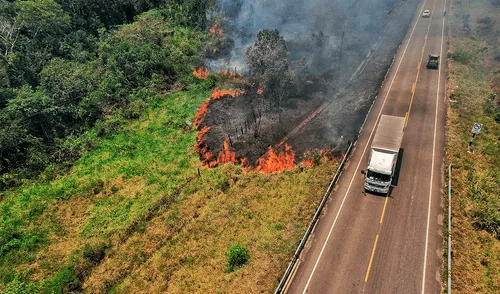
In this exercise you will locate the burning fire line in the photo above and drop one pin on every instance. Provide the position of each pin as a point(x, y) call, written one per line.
point(275, 162)
point(216, 94)
point(229, 74)
point(226, 155)
point(313, 158)
point(216, 30)
point(201, 72)
point(272, 161)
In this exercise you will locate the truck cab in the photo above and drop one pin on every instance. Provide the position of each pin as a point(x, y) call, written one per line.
point(378, 177)
point(383, 155)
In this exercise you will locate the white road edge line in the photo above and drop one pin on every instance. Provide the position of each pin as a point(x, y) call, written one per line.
point(366, 146)
point(433, 153)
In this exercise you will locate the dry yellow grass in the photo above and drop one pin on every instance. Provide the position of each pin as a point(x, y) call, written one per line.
point(265, 213)
point(476, 253)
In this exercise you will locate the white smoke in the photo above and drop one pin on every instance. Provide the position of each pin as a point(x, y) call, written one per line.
point(361, 21)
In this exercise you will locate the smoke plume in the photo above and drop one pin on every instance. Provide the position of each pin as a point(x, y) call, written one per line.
point(339, 52)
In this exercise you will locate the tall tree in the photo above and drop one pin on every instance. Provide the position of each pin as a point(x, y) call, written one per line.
point(268, 62)
point(268, 55)
point(31, 36)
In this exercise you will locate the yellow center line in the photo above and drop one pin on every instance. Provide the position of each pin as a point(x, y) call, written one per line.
point(383, 211)
point(371, 259)
point(420, 62)
point(407, 117)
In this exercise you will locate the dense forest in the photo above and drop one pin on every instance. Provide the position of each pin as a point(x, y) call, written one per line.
point(67, 73)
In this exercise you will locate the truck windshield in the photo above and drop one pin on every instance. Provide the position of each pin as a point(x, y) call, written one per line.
point(379, 177)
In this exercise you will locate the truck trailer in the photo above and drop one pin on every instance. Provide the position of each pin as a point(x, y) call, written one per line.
point(384, 154)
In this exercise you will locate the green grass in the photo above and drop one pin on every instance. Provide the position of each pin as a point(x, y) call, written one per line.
point(472, 85)
point(133, 215)
point(155, 154)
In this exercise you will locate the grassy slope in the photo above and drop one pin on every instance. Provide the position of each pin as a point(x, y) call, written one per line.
point(133, 216)
point(473, 76)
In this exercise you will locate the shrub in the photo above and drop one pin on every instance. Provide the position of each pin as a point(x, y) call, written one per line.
point(94, 253)
point(237, 257)
point(461, 56)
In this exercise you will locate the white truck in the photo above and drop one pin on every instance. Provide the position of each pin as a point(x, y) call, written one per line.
point(384, 154)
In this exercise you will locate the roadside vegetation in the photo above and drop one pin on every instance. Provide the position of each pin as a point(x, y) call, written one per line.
point(133, 215)
point(101, 189)
point(67, 66)
point(473, 88)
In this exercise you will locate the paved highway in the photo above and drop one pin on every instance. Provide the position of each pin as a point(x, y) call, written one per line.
point(376, 244)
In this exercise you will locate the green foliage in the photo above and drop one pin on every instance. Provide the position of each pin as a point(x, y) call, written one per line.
point(462, 56)
point(485, 211)
point(70, 89)
point(237, 256)
point(14, 239)
point(268, 55)
point(156, 151)
point(17, 286)
point(473, 80)
point(154, 56)
point(190, 13)
point(94, 253)
point(33, 30)
point(91, 15)
point(70, 83)
point(65, 281)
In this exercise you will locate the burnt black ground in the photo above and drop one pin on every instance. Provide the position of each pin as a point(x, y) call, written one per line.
point(346, 94)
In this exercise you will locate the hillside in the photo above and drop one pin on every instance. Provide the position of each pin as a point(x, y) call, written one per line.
point(106, 184)
point(134, 216)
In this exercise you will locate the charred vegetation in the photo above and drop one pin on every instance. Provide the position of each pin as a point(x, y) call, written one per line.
point(308, 82)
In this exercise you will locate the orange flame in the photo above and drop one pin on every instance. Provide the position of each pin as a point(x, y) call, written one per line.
point(201, 147)
point(260, 91)
point(229, 74)
point(200, 114)
point(199, 138)
point(216, 30)
point(216, 94)
point(245, 164)
point(272, 162)
point(308, 162)
point(201, 72)
point(226, 155)
point(315, 157)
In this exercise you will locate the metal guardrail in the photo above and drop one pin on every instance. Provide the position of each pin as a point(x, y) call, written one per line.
point(449, 229)
point(285, 279)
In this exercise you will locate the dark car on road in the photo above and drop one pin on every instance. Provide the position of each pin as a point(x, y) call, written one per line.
point(433, 61)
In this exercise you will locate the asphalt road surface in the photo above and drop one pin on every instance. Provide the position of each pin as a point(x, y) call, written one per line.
point(376, 244)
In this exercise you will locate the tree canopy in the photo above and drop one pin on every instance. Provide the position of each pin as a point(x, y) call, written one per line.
point(67, 64)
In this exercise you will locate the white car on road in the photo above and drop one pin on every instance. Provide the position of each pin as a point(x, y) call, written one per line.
point(426, 13)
